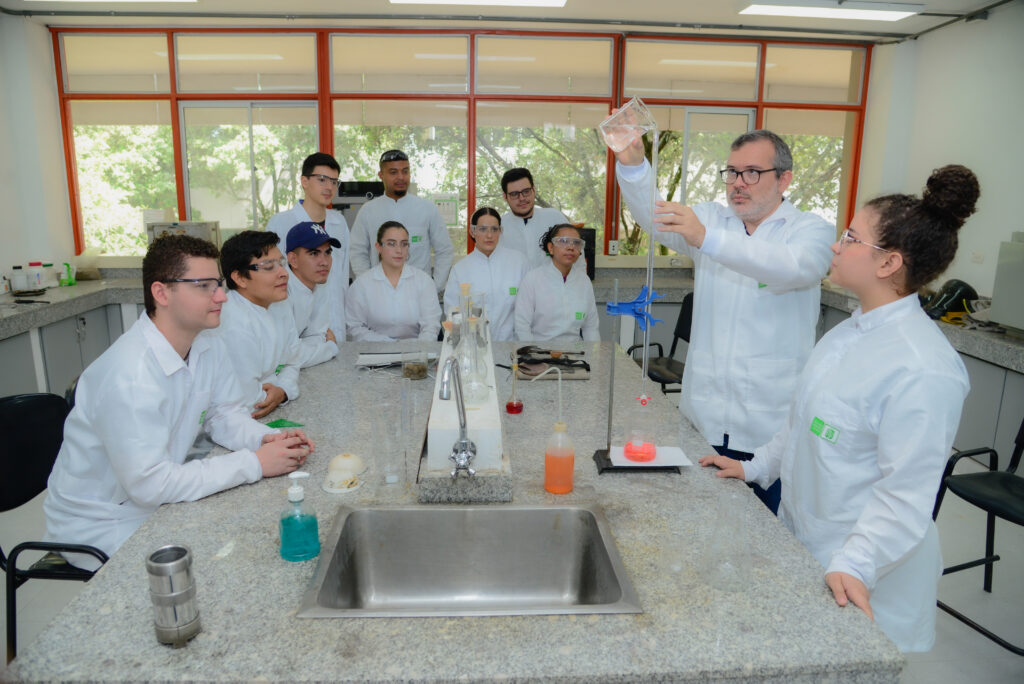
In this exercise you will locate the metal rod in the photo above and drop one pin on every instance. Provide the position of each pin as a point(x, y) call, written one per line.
point(611, 372)
point(650, 265)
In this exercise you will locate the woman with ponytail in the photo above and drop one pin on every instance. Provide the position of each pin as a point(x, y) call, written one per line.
point(874, 415)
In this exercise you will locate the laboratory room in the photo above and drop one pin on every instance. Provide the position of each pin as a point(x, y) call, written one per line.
point(493, 340)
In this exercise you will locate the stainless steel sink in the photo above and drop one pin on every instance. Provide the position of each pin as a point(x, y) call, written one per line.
point(420, 561)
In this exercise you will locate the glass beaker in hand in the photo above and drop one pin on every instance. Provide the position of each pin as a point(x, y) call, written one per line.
point(630, 123)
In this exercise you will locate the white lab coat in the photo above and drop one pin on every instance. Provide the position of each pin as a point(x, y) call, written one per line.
point(426, 230)
point(548, 308)
point(337, 228)
point(311, 311)
point(861, 456)
point(138, 409)
point(755, 311)
point(379, 312)
point(498, 277)
point(523, 235)
point(264, 346)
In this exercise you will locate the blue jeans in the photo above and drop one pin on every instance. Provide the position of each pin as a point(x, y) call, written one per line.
point(769, 497)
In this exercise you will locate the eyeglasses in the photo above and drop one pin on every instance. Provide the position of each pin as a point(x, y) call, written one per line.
point(846, 239)
point(565, 241)
point(208, 286)
point(267, 265)
point(484, 230)
point(750, 176)
point(393, 155)
point(391, 244)
point(516, 194)
point(325, 179)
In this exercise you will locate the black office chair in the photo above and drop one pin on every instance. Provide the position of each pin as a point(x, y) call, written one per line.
point(998, 493)
point(32, 426)
point(666, 370)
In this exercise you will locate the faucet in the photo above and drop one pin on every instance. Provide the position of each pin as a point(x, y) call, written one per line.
point(463, 450)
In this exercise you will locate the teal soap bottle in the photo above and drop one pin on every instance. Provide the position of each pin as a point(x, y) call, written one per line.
point(300, 534)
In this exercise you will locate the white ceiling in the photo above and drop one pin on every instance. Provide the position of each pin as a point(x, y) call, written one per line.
point(716, 17)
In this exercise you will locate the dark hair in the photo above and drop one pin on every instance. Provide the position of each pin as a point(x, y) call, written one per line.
point(924, 231)
point(167, 259)
point(552, 233)
point(512, 175)
point(238, 250)
point(319, 159)
point(783, 160)
point(384, 228)
point(484, 211)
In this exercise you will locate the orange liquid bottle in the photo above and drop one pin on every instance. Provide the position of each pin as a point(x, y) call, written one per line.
point(559, 457)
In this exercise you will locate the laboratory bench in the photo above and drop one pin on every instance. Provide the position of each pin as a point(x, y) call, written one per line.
point(783, 627)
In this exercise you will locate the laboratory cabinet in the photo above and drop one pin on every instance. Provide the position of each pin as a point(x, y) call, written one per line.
point(19, 375)
point(71, 344)
point(992, 410)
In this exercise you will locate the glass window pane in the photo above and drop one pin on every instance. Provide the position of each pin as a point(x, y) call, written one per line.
point(565, 66)
point(558, 142)
point(125, 163)
point(399, 64)
point(116, 64)
point(222, 179)
point(246, 64)
point(692, 71)
point(435, 143)
point(822, 157)
point(813, 74)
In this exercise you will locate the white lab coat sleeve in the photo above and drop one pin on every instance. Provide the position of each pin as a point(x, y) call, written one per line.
point(915, 435)
point(444, 251)
point(228, 420)
point(635, 184)
point(430, 314)
point(246, 361)
point(800, 261)
point(766, 465)
point(288, 378)
point(591, 323)
point(314, 347)
point(362, 240)
point(357, 314)
point(526, 302)
point(136, 433)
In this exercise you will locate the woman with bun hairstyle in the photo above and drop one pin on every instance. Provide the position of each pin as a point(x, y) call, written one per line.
point(874, 414)
point(555, 300)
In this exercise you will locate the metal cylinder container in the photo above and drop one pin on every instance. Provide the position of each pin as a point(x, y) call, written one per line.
point(173, 592)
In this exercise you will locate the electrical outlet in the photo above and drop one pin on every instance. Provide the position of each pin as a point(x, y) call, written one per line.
point(675, 262)
point(613, 247)
point(977, 258)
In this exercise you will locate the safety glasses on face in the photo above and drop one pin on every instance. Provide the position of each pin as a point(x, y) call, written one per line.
point(565, 241)
point(750, 176)
point(325, 179)
point(392, 244)
point(208, 286)
point(516, 194)
point(484, 230)
point(268, 265)
point(393, 155)
point(846, 239)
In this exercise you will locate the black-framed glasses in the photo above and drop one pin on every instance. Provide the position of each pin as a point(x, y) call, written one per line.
point(208, 286)
point(267, 265)
point(845, 238)
point(480, 228)
point(393, 155)
point(750, 176)
point(516, 194)
point(325, 179)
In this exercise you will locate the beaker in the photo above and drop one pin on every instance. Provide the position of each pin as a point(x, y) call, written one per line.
point(630, 123)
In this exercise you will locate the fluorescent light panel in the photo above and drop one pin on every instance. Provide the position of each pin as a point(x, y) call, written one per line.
point(61, 2)
point(502, 3)
point(834, 9)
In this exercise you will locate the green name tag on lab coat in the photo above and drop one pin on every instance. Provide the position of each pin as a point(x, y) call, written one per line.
point(280, 367)
point(579, 315)
point(513, 290)
point(760, 285)
point(415, 238)
point(824, 430)
point(202, 417)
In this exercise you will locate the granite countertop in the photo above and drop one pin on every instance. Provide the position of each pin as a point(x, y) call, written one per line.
point(785, 627)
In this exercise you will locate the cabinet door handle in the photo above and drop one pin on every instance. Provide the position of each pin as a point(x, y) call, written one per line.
point(80, 328)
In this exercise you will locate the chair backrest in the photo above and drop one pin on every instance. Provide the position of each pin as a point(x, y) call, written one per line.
point(683, 323)
point(32, 426)
point(1018, 447)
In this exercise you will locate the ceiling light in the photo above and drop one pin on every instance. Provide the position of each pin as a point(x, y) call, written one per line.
point(508, 3)
point(835, 9)
point(106, 1)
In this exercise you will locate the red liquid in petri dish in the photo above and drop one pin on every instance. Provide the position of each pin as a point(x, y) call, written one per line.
point(639, 452)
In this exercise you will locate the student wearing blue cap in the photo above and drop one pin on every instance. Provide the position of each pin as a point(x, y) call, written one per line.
point(310, 258)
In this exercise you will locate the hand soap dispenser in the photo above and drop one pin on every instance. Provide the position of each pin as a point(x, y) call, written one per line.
point(300, 534)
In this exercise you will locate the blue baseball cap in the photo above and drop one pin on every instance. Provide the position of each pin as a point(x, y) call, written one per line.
point(309, 235)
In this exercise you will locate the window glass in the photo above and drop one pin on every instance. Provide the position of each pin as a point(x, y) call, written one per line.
point(125, 164)
point(558, 142)
point(813, 74)
point(822, 157)
point(569, 66)
point(691, 71)
point(435, 143)
point(244, 162)
point(246, 64)
point(116, 63)
point(399, 64)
